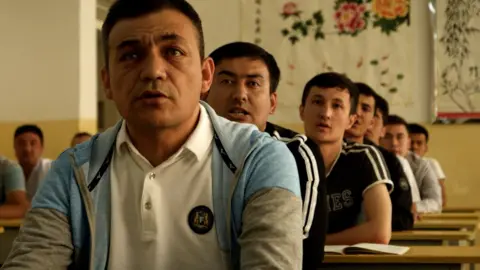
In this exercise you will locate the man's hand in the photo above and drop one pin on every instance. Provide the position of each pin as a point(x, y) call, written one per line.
point(416, 215)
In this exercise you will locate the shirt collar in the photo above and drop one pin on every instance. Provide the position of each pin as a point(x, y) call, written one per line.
point(198, 143)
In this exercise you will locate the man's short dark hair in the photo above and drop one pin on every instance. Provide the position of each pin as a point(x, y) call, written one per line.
point(382, 105)
point(366, 90)
point(29, 129)
point(127, 9)
point(81, 134)
point(418, 129)
point(394, 119)
point(249, 50)
point(332, 80)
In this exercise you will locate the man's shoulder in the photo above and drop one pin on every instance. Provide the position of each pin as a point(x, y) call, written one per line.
point(354, 149)
point(6, 163)
point(279, 132)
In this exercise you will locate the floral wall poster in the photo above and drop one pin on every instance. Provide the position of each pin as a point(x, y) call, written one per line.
point(368, 40)
point(457, 56)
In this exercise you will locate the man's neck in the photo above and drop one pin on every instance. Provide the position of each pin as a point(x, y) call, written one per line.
point(159, 144)
point(357, 139)
point(330, 152)
point(27, 170)
point(375, 140)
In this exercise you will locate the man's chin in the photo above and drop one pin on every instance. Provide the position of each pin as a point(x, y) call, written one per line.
point(239, 119)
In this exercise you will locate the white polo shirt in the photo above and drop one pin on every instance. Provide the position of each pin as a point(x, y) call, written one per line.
point(36, 176)
point(436, 167)
point(152, 217)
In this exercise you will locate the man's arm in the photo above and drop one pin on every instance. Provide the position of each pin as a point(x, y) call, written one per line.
point(401, 197)
point(45, 240)
point(15, 206)
point(441, 179)
point(16, 203)
point(377, 205)
point(311, 171)
point(430, 190)
point(377, 228)
point(441, 182)
point(271, 236)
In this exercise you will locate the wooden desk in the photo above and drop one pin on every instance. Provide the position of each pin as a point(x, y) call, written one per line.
point(425, 258)
point(432, 238)
point(11, 222)
point(446, 224)
point(466, 209)
point(452, 215)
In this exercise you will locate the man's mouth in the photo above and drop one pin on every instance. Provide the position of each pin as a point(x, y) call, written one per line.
point(238, 112)
point(323, 125)
point(151, 95)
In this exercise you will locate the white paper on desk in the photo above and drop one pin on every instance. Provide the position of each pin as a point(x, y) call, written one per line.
point(366, 248)
point(375, 249)
point(335, 249)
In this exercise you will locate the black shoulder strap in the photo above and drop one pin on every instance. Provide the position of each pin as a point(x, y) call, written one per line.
point(108, 160)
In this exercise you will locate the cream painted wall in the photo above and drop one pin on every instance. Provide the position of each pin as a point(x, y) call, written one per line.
point(48, 60)
point(47, 70)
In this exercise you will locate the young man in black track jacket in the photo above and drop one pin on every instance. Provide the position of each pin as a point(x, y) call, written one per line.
point(401, 197)
point(244, 90)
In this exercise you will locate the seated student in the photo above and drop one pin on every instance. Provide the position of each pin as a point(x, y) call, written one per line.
point(244, 90)
point(377, 131)
point(356, 173)
point(401, 197)
point(397, 140)
point(419, 145)
point(28, 144)
point(79, 138)
point(13, 198)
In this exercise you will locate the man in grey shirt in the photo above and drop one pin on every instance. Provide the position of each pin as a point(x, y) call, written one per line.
point(397, 140)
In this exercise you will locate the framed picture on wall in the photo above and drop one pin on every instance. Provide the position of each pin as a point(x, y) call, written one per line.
point(457, 59)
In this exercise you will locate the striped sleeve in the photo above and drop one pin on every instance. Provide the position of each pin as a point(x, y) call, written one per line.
point(309, 178)
point(374, 168)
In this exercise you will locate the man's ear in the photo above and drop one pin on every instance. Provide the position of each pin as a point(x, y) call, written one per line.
point(106, 83)
point(273, 102)
point(204, 96)
point(208, 69)
point(301, 110)
point(352, 119)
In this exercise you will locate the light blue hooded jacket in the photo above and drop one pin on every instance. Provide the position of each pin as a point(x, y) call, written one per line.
point(64, 208)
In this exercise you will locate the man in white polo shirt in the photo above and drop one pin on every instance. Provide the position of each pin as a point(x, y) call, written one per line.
point(419, 144)
point(172, 185)
point(397, 140)
point(29, 144)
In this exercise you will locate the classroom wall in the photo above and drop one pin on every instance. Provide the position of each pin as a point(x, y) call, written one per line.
point(48, 70)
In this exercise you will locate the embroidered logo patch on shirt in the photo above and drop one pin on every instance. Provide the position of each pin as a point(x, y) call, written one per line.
point(200, 219)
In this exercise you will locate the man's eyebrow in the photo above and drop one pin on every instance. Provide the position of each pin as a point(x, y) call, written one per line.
point(159, 38)
point(227, 72)
point(128, 43)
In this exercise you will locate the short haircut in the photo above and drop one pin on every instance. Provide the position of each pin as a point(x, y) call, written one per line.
point(127, 9)
point(29, 129)
point(366, 90)
point(394, 119)
point(81, 134)
point(418, 129)
point(333, 80)
point(249, 50)
point(382, 105)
